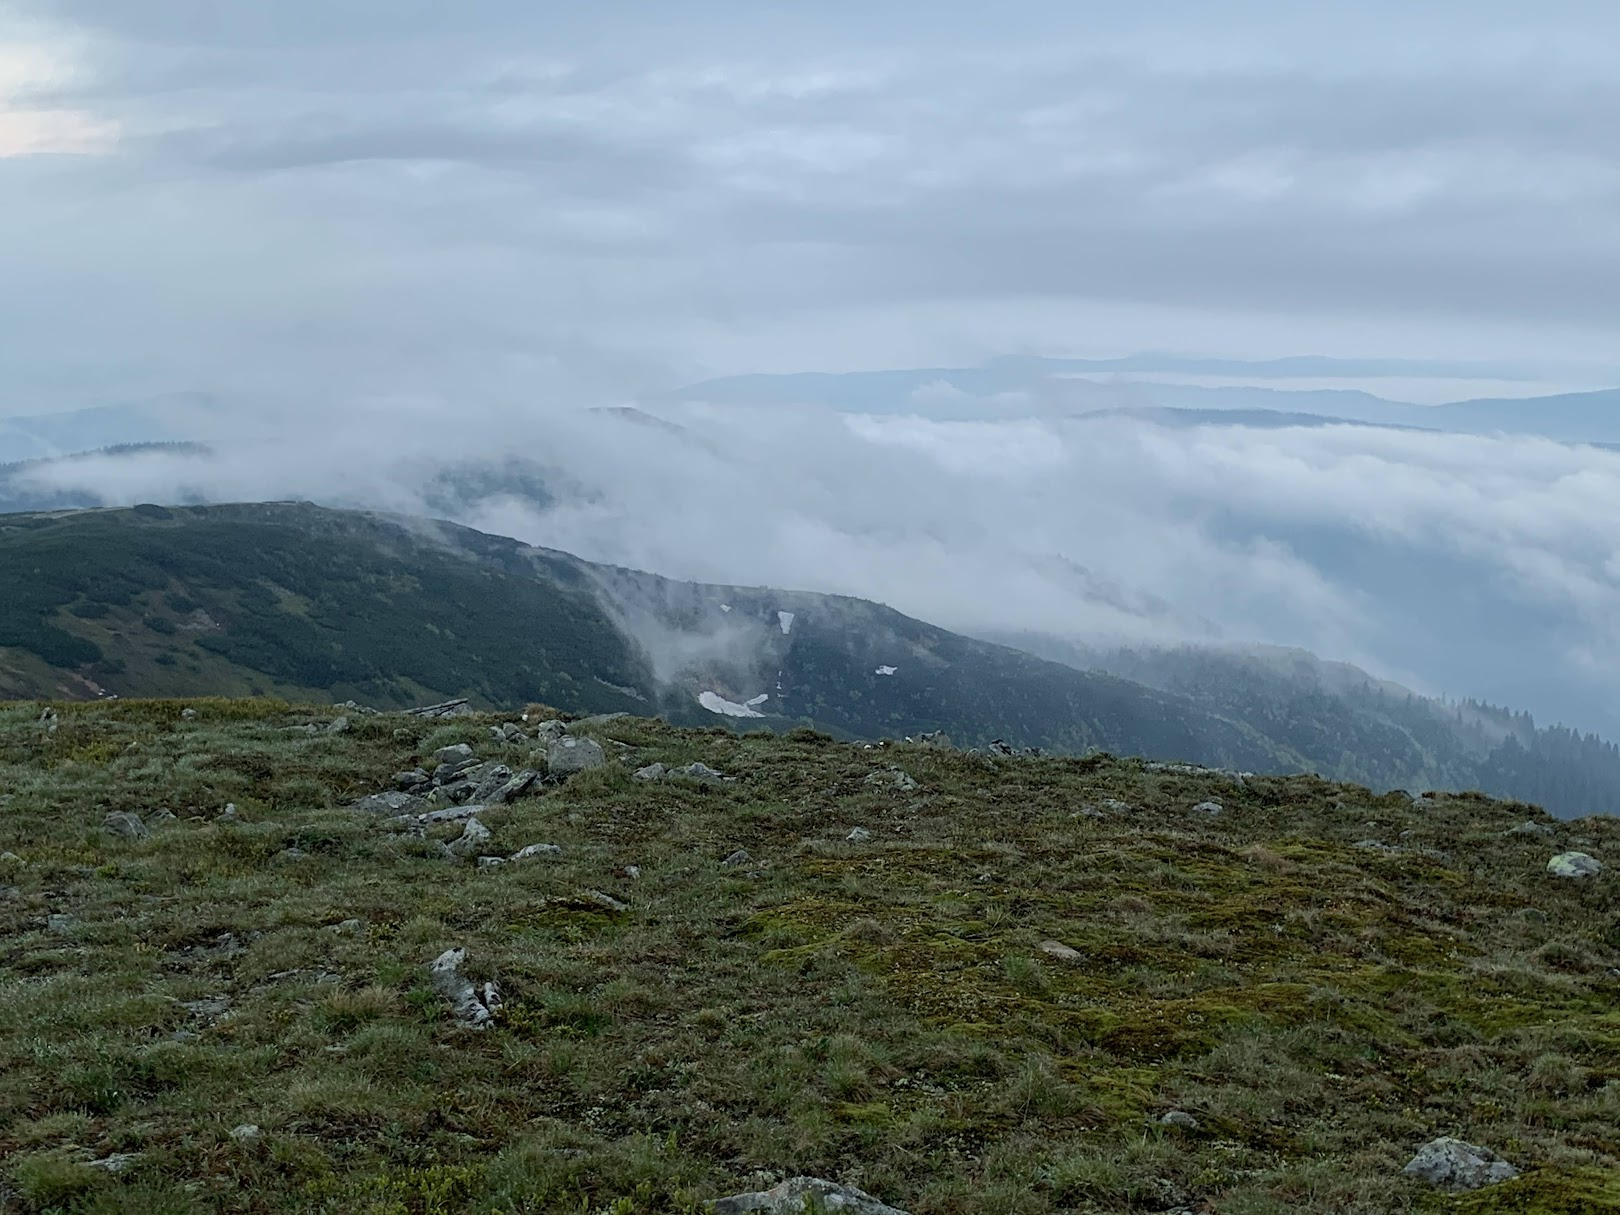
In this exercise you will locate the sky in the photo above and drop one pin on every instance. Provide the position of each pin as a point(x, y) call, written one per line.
point(511, 202)
point(385, 236)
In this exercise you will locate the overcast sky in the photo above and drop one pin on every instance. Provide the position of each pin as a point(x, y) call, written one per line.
point(501, 200)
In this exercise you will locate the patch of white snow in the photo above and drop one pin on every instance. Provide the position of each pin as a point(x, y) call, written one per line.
point(715, 703)
point(758, 700)
point(725, 607)
point(887, 670)
point(787, 622)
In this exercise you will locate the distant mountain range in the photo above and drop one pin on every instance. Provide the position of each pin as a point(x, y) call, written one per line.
point(296, 600)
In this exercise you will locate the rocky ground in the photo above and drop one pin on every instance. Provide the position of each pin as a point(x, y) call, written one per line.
point(260, 958)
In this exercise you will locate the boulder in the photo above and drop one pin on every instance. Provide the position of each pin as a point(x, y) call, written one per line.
point(606, 901)
point(1062, 952)
point(512, 732)
point(737, 859)
point(934, 738)
point(338, 725)
point(491, 862)
point(1181, 1119)
point(549, 731)
point(470, 1007)
point(407, 781)
point(800, 1194)
point(1530, 827)
point(858, 835)
point(536, 852)
point(1209, 808)
point(448, 708)
point(123, 825)
point(1451, 1164)
point(487, 779)
point(1574, 865)
point(892, 778)
point(567, 755)
point(244, 1133)
point(702, 772)
point(391, 802)
point(652, 772)
point(472, 840)
point(456, 753)
point(516, 787)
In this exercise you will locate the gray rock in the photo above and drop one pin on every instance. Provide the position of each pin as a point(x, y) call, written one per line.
point(1179, 1118)
point(472, 840)
point(188, 714)
point(1374, 846)
point(1451, 1164)
point(892, 778)
point(738, 858)
point(470, 1007)
point(391, 802)
point(1088, 812)
point(125, 826)
point(118, 1162)
point(1060, 951)
point(491, 862)
point(1211, 808)
point(858, 835)
point(347, 927)
point(11, 858)
point(1114, 805)
point(229, 814)
point(1574, 865)
point(338, 725)
point(702, 772)
point(1530, 827)
point(606, 900)
point(632, 872)
point(536, 852)
point(413, 779)
point(290, 856)
point(451, 814)
point(600, 719)
point(244, 1133)
point(549, 731)
point(456, 753)
point(512, 732)
point(800, 1194)
point(448, 708)
point(567, 755)
point(934, 738)
point(516, 787)
point(60, 923)
point(489, 778)
point(651, 772)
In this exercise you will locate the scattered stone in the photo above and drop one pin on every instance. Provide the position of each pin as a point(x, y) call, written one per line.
point(737, 858)
point(290, 856)
point(858, 835)
point(1060, 951)
point(567, 755)
point(489, 778)
point(1211, 808)
point(632, 872)
point(338, 725)
point(549, 731)
point(456, 753)
point(606, 900)
point(118, 1162)
point(1179, 1118)
point(1115, 806)
point(519, 784)
point(347, 927)
point(1088, 812)
point(229, 814)
point(125, 826)
point(60, 923)
point(498, 734)
point(11, 858)
point(473, 837)
point(1374, 846)
point(188, 714)
point(934, 738)
point(448, 708)
point(1530, 827)
point(702, 772)
point(893, 778)
point(800, 1194)
point(532, 851)
point(512, 732)
point(471, 1008)
point(1574, 865)
point(1451, 1164)
point(997, 747)
point(413, 779)
point(245, 1133)
point(210, 1009)
point(391, 802)
point(491, 862)
point(652, 772)
point(451, 814)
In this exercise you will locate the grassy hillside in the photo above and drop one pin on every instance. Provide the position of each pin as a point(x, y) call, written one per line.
point(293, 600)
point(883, 1011)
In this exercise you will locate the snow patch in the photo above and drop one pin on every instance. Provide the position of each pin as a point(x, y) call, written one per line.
point(758, 700)
point(786, 619)
point(715, 703)
point(725, 607)
point(887, 670)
